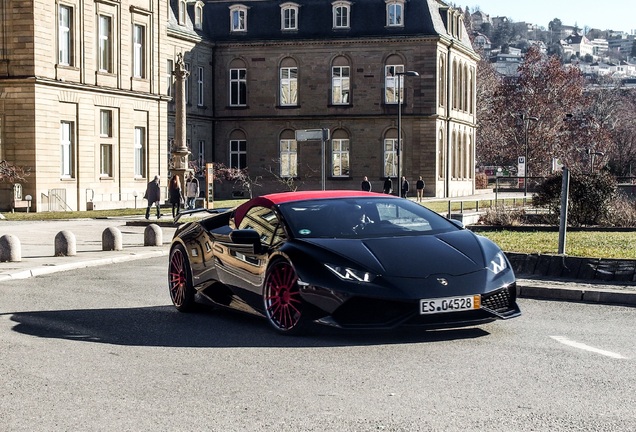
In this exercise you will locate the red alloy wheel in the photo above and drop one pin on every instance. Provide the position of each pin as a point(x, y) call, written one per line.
point(181, 291)
point(283, 304)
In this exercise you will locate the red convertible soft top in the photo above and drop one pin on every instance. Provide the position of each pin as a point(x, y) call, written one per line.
point(283, 197)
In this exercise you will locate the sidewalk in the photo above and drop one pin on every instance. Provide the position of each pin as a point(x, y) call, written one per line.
point(37, 241)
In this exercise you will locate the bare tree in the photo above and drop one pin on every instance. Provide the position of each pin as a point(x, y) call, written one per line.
point(11, 173)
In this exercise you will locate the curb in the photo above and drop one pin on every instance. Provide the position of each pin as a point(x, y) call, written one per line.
point(557, 290)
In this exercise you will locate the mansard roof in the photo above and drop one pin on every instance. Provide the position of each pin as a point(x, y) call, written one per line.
point(315, 20)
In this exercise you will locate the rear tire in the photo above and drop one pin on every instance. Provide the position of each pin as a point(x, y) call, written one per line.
point(283, 305)
point(180, 280)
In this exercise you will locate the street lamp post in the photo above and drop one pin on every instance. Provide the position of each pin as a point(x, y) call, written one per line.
point(526, 124)
point(399, 126)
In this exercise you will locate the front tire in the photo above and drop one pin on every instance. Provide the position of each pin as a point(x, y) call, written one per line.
point(180, 280)
point(284, 307)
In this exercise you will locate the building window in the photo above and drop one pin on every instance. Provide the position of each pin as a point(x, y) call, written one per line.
point(198, 16)
point(201, 155)
point(339, 157)
point(238, 18)
point(105, 44)
point(238, 87)
point(391, 81)
point(289, 16)
point(66, 149)
point(65, 35)
point(169, 77)
point(105, 123)
point(187, 84)
point(341, 14)
point(140, 152)
point(139, 51)
point(200, 86)
point(395, 13)
point(289, 86)
point(288, 158)
point(106, 160)
point(442, 81)
point(182, 12)
point(340, 85)
point(390, 157)
point(441, 155)
point(238, 154)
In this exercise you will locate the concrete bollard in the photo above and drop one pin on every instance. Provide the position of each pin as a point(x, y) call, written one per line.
point(153, 235)
point(111, 239)
point(10, 249)
point(65, 244)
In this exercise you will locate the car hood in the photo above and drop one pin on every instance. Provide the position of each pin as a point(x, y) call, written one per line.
point(455, 253)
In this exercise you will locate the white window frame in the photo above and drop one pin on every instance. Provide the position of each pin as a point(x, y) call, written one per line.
point(139, 152)
point(188, 84)
point(238, 18)
point(67, 149)
point(198, 16)
point(289, 16)
point(65, 35)
point(341, 14)
point(390, 157)
point(238, 87)
point(201, 154)
point(183, 11)
point(105, 123)
point(391, 83)
point(200, 87)
point(238, 152)
point(169, 77)
point(340, 85)
point(105, 46)
point(139, 51)
point(394, 13)
point(289, 86)
point(340, 157)
point(288, 158)
point(105, 160)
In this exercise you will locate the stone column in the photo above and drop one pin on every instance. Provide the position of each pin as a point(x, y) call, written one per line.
point(179, 148)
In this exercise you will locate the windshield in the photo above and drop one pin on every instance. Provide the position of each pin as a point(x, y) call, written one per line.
point(361, 218)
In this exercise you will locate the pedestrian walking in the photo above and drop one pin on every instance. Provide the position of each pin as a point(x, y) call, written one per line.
point(192, 190)
point(175, 195)
point(388, 186)
point(419, 186)
point(366, 184)
point(404, 187)
point(153, 195)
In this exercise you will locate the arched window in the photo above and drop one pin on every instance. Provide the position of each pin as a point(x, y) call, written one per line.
point(238, 83)
point(442, 81)
point(340, 81)
point(238, 18)
point(288, 82)
point(288, 154)
point(441, 155)
point(341, 14)
point(289, 16)
point(394, 13)
point(238, 150)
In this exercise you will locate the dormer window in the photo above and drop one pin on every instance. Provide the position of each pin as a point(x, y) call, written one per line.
point(182, 12)
point(395, 13)
point(341, 14)
point(289, 16)
point(238, 18)
point(198, 16)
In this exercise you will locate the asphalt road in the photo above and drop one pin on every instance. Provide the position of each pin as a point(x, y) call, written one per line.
point(102, 349)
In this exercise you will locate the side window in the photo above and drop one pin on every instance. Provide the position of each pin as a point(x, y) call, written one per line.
point(341, 14)
point(238, 18)
point(395, 14)
point(289, 16)
point(264, 221)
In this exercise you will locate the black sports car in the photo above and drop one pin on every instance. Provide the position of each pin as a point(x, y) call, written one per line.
point(348, 259)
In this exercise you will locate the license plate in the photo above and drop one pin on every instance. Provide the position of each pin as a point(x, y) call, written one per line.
point(449, 304)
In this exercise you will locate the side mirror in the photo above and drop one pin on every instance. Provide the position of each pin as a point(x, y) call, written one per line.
point(245, 236)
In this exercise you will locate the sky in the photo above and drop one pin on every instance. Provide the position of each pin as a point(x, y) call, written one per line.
point(608, 15)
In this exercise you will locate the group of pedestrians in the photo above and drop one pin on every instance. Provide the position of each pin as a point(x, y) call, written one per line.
point(387, 188)
point(176, 195)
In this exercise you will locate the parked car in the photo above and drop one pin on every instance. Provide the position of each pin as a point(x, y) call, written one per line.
point(348, 259)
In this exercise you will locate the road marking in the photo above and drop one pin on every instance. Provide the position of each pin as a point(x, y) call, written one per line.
point(582, 346)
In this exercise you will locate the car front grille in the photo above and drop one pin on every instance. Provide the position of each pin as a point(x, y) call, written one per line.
point(501, 301)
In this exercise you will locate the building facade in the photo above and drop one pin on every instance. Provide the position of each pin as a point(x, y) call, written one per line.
point(89, 110)
point(82, 100)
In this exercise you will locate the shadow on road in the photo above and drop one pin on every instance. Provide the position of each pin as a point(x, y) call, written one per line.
point(164, 326)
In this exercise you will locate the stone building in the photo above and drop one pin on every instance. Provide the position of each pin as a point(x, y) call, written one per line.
point(86, 97)
point(311, 64)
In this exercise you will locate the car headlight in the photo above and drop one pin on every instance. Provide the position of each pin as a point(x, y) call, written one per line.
point(498, 263)
point(350, 274)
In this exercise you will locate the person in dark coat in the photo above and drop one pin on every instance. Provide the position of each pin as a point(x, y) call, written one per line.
point(388, 186)
point(366, 184)
point(153, 195)
point(419, 186)
point(175, 196)
point(404, 187)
